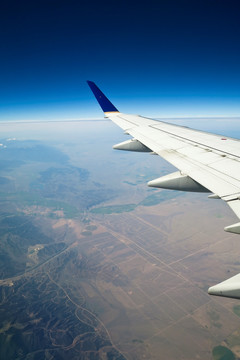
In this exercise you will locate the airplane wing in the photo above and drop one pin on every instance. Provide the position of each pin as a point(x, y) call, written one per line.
point(206, 162)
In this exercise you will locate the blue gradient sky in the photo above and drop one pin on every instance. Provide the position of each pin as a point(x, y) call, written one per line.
point(158, 58)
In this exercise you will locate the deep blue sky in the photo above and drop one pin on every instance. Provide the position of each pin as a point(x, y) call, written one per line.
point(158, 58)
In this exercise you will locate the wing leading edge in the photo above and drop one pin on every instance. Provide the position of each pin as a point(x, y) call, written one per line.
point(206, 162)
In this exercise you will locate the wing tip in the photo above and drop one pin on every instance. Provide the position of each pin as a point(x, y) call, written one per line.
point(103, 101)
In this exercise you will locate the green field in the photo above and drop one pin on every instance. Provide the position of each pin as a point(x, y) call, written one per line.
point(159, 197)
point(150, 200)
point(222, 353)
point(114, 209)
point(236, 310)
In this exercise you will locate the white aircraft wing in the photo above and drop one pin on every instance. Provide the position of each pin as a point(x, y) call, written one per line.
point(206, 162)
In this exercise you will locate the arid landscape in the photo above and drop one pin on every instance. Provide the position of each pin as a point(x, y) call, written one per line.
point(95, 265)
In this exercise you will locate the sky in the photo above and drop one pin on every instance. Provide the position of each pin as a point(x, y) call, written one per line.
point(155, 58)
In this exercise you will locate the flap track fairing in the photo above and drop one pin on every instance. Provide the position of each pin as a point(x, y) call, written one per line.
point(229, 288)
point(178, 181)
point(132, 145)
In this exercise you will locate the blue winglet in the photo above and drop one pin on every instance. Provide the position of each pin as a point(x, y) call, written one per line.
point(103, 101)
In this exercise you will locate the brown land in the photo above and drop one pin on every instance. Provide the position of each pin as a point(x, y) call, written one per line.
point(155, 268)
